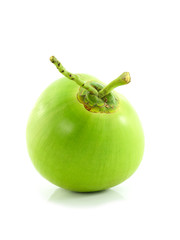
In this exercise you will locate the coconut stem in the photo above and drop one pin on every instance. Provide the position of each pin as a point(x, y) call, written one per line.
point(72, 76)
point(121, 80)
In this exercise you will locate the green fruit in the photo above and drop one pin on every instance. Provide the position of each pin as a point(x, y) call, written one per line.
point(84, 138)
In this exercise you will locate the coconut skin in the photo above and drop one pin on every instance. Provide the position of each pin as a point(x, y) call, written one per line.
point(80, 150)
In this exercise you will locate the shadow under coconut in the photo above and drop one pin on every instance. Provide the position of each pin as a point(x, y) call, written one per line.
point(91, 199)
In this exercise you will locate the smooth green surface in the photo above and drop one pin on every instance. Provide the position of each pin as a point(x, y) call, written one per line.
point(80, 150)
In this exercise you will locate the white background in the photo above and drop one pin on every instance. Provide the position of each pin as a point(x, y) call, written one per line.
point(104, 39)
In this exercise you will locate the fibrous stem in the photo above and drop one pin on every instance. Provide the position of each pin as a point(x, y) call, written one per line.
point(121, 80)
point(73, 77)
